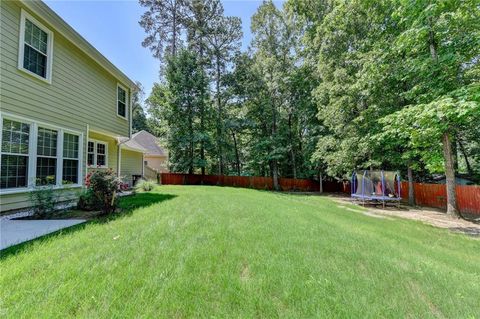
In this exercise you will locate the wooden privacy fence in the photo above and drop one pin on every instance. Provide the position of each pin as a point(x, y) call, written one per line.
point(435, 195)
point(256, 182)
point(430, 195)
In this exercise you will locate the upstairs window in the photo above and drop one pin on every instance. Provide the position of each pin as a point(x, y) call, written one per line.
point(35, 51)
point(121, 102)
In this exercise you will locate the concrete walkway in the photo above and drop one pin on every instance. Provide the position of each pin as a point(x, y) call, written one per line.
point(13, 232)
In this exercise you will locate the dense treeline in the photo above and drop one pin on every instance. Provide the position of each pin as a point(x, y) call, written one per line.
point(326, 87)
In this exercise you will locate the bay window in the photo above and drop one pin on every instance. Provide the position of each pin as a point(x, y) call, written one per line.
point(33, 154)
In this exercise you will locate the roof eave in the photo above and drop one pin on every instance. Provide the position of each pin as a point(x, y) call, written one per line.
point(155, 155)
point(62, 27)
point(133, 149)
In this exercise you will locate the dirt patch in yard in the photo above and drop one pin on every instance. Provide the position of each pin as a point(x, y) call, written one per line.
point(364, 212)
point(431, 216)
point(245, 273)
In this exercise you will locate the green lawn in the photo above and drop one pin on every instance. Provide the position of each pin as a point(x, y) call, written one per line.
point(187, 251)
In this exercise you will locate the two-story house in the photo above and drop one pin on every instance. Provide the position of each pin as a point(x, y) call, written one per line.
point(64, 108)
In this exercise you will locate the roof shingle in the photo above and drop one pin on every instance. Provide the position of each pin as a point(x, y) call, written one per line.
point(149, 142)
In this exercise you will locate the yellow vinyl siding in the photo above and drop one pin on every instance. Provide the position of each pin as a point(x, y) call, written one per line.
point(112, 152)
point(81, 91)
point(131, 164)
point(10, 202)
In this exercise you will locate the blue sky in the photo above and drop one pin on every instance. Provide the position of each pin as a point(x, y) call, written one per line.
point(112, 27)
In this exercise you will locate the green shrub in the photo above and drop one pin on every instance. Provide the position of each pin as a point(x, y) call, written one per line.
point(44, 200)
point(105, 185)
point(144, 186)
point(88, 201)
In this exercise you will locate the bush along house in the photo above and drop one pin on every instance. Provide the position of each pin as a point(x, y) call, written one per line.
point(65, 110)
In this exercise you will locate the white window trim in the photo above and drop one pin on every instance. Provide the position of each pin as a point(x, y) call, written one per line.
point(32, 154)
point(61, 158)
point(126, 102)
point(24, 16)
point(95, 142)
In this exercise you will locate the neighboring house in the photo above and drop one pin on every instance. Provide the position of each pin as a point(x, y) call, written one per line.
point(155, 157)
point(460, 179)
point(65, 109)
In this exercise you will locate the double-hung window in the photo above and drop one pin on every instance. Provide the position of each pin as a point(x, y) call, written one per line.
point(70, 158)
point(46, 156)
point(35, 48)
point(34, 154)
point(97, 154)
point(121, 102)
point(14, 154)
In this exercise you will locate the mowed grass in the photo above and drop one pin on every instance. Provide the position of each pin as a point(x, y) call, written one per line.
point(189, 251)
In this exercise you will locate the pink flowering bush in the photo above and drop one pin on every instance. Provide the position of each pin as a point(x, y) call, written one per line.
point(105, 185)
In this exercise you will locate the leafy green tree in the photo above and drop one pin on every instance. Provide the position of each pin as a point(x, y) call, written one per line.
point(223, 36)
point(272, 58)
point(199, 15)
point(327, 87)
point(164, 22)
point(176, 105)
point(441, 45)
point(434, 124)
point(139, 119)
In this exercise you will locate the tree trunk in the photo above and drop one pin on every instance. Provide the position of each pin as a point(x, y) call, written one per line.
point(447, 145)
point(202, 155)
point(320, 180)
point(275, 175)
point(219, 118)
point(191, 144)
point(411, 190)
point(450, 176)
point(202, 115)
point(174, 29)
point(237, 156)
point(274, 135)
point(453, 142)
point(464, 153)
point(292, 148)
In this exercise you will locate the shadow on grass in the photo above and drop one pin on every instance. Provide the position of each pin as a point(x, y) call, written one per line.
point(127, 205)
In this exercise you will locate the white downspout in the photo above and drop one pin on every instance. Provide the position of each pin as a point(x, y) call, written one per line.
point(119, 156)
point(130, 120)
point(119, 159)
point(86, 154)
